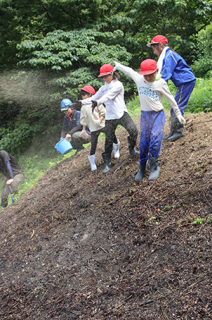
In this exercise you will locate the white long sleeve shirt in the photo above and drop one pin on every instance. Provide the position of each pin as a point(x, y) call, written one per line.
point(112, 95)
point(150, 93)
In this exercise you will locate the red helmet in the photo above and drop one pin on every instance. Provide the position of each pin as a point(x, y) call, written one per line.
point(158, 39)
point(105, 69)
point(148, 66)
point(88, 89)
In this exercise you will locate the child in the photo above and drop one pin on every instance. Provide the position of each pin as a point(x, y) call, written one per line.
point(151, 89)
point(96, 122)
point(112, 95)
point(172, 66)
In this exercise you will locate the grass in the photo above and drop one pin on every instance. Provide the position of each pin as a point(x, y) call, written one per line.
point(41, 156)
point(201, 97)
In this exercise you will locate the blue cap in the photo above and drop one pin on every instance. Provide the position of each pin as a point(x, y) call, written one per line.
point(65, 104)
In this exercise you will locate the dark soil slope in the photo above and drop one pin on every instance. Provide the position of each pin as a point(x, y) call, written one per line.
point(83, 245)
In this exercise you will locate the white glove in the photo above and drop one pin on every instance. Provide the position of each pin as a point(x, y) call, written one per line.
point(115, 68)
point(181, 119)
point(84, 134)
point(97, 122)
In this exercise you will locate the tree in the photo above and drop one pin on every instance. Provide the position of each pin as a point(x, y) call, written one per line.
point(82, 52)
point(203, 65)
point(25, 19)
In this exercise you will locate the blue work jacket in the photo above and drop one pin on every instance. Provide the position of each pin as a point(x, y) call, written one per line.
point(175, 68)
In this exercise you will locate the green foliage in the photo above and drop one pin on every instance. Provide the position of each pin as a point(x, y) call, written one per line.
point(138, 20)
point(209, 219)
point(17, 140)
point(198, 221)
point(165, 17)
point(22, 20)
point(61, 50)
point(82, 52)
point(201, 97)
point(28, 107)
point(203, 66)
point(133, 106)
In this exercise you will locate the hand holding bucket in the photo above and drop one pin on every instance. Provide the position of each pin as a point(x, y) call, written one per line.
point(63, 146)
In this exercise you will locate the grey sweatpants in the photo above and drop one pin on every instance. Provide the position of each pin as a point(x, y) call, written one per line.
point(5, 190)
point(77, 140)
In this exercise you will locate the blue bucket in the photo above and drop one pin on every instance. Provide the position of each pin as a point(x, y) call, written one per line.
point(63, 146)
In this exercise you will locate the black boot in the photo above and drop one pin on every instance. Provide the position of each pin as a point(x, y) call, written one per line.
point(178, 131)
point(77, 145)
point(139, 176)
point(131, 146)
point(154, 169)
point(172, 124)
point(79, 149)
point(107, 162)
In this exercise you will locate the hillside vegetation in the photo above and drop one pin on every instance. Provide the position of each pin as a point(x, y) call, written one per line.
point(83, 245)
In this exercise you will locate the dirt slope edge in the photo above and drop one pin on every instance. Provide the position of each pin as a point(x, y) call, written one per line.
point(82, 245)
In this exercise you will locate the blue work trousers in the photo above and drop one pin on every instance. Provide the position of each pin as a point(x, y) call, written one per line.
point(152, 128)
point(182, 96)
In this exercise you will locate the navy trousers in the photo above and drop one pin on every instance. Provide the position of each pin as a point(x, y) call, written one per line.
point(152, 129)
point(182, 96)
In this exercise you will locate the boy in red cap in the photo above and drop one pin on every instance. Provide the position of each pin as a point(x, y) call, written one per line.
point(96, 122)
point(172, 66)
point(151, 89)
point(112, 95)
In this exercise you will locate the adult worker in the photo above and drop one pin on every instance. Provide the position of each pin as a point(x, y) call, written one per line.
point(72, 128)
point(172, 66)
point(13, 173)
point(95, 120)
point(112, 95)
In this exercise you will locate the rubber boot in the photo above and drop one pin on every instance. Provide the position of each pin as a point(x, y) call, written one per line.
point(92, 162)
point(116, 150)
point(139, 176)
point(107, 162)
point(178, 131)
point(154, 169)
point(131, 146)
point(172, 124)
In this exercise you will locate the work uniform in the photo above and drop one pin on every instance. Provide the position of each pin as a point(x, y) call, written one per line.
point(152, 118)
point(75, 128)
point(176, 69)
point(10, 168)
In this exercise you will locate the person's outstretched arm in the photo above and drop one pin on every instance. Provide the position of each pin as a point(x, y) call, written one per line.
point(127, 70)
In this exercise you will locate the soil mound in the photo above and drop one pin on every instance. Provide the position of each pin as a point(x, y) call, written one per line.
point(83, 245)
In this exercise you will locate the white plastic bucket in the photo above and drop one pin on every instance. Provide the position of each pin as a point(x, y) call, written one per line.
point(63, 146)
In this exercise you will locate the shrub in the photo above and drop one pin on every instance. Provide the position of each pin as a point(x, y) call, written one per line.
point(17, 140)
point(201, 97)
